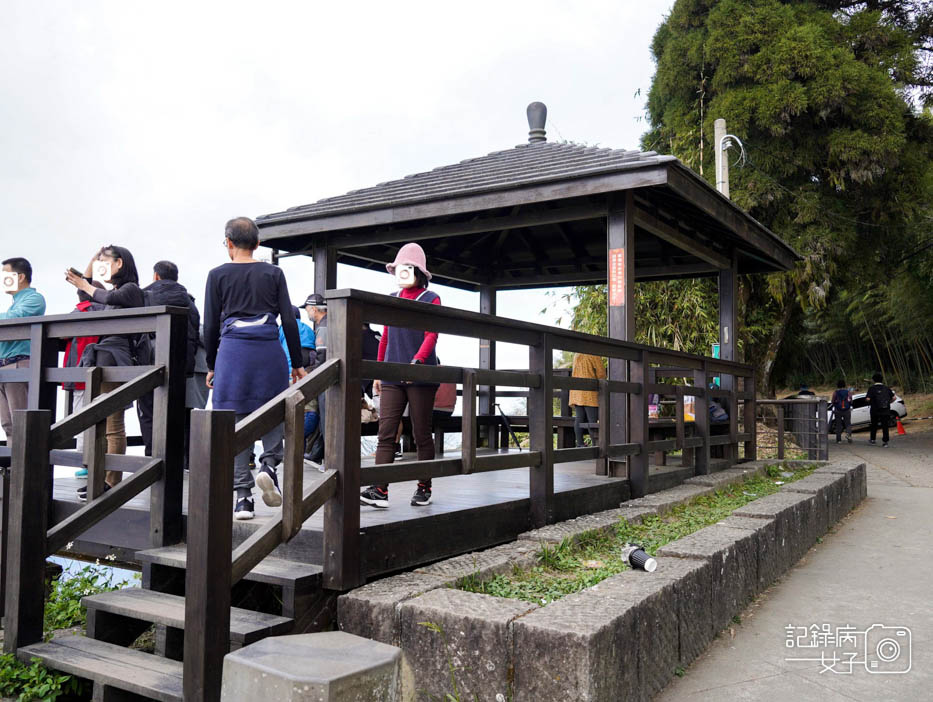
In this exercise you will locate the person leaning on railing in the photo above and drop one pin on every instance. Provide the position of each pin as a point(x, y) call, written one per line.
point(247, 367)
point(400, 345)
point(115, 265)
point(585, 403)
point(27, 302)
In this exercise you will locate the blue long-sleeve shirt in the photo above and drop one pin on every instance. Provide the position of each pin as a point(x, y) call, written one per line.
point(26, 303)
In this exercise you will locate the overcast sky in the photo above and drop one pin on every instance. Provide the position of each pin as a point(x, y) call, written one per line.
point(148, 125)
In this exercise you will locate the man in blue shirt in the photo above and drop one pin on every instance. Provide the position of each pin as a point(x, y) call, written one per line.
point(17, 280)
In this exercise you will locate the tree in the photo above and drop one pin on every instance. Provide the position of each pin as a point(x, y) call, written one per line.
point(826, 98)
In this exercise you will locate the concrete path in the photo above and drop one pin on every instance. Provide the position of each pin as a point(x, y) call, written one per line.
point(875, 567)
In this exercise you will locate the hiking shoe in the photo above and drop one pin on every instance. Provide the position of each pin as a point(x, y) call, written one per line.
point(268, 482)
point(81, 473)
point(884, 445)
point(838, 441)
point(871, 441)
point(398, 451)
point(849, 438)
point(422, 495)
point(244, 508)
point(310, 463)
point(82, 491)
point(375, 497)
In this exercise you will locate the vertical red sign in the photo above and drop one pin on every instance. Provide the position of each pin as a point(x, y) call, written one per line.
point(617, 277)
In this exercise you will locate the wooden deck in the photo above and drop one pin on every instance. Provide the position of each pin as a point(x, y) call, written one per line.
point(468, 512)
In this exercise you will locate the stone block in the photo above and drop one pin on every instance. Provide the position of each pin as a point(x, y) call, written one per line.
point(573, 529)
point(692, 580)
point(856, 480)
point(371, 611)
point(581, 647)
point(475, 638)
point(771, 564)
point(828, 490)
point(666, 500)
point(331, 666)
point(485, 564)
point(794, 521)
point(635, 515)
point(733, 557)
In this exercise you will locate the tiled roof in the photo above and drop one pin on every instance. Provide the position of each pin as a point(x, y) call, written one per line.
point(526, 164)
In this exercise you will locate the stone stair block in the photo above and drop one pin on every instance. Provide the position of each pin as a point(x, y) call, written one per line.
point(371, 611)
point(771, 565)
point(692, 579)
point(733, 557)
point(330, 666)
point(475, 638)
point(794, 522)
point(665, 501)
point(828, 491)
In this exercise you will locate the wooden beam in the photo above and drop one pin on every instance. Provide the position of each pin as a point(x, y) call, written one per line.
point(620, 245)
point(540, 430)
point(487, 361)
point(682, 241)
point(468, 425)
point(325, 267)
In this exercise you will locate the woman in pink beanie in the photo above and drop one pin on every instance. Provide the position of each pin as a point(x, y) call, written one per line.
point(400, 345)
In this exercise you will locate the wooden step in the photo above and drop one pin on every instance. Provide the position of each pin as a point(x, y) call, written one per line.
point(246, 626)
point(272, 570)
point(110, 666)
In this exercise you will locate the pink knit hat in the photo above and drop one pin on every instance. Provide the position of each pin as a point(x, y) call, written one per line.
point(413, 255)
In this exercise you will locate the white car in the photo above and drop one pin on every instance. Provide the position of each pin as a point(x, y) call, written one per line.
point(860, 412)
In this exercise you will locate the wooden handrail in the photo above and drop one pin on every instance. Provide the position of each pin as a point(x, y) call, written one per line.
point(271, 414)
point(265, 539)
point(99, 409)
point(95, 510)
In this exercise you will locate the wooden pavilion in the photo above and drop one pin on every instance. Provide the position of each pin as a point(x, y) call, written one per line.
point(541, 215)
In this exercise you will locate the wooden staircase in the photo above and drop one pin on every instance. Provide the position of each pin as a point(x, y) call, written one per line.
point(277, 597)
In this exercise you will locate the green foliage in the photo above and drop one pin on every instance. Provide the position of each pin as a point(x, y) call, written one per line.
point(682, 315)
point(63, 608)
point(576, 565)
point(27, 682)
point(825, 97)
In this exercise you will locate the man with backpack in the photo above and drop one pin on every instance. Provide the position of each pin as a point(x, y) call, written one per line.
point(841, 404)
point(879, 399)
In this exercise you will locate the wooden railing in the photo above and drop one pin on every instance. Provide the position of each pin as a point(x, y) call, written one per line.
point(39, 442)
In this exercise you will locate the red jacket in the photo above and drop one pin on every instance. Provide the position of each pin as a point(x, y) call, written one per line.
point(72, 360)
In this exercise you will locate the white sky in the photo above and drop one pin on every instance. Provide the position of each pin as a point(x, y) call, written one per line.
point(148, 125)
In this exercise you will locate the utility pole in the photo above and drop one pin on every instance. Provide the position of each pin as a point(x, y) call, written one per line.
point(722, 162)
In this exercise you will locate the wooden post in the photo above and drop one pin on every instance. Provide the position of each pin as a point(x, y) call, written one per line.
point(5, 527)
point(95, 439)
point(780, 431)
point(342, 449)
point(679, 421)
point(29, 499)
point(168, 430)
point(325, 270)
point(468, 420)
point(638, 427)
point(541, 432)
point(751, 418)
point(487, 361)
point(701, 414)
point(210, 536)
point(822, 430)
point(602, 463)
point(43, 353)
point(293, 478)
point(621, 279)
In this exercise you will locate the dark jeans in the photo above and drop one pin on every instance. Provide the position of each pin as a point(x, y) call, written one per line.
point(583, 414)
point(877, 417)
point(843, 421)
point(420, 400)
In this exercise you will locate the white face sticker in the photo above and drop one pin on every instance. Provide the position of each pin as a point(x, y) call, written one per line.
point(102, 271)
point(9, 281)
point(405, 275)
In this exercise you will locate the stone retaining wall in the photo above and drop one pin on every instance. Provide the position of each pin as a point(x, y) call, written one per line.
point(621, 639)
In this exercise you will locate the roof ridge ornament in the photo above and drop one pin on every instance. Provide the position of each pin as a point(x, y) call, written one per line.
point(537, 116)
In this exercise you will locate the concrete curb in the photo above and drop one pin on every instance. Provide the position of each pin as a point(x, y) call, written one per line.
point(620, 639)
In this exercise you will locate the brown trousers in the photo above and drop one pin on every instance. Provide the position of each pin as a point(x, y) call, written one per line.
point(420, 401)
point(116, 435)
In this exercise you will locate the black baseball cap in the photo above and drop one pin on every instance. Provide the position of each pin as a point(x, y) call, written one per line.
point(315, 300)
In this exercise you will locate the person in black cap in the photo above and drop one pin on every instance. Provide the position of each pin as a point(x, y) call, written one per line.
point(316, 307)
point(879, 398)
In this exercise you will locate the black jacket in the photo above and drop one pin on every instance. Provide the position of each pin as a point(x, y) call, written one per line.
point(173, 293)
point(879, 397)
